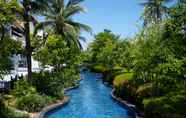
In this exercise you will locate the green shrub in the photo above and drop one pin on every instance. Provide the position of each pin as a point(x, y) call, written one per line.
point(145, 90)
point(1, 101)
point(51, 84)
point(54, 89)
point(108, 77)
point(127, 91)
point(68, 77)
point(119, 79)
point(32, 102)
point(109, 73)
point(22, 88)
point(98, 68)
point(166, 107)
point(10, 113)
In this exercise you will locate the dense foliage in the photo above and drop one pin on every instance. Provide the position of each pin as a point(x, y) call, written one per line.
point(52, 84)
point(10, 113)
point(148, 70)
point(32, 102)
point(59, 49)
point(7, 15)
point(155, 57)
point(7, 45)
point(56, 53)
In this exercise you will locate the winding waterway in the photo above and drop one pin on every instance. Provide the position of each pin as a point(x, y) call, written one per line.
point(91, 100)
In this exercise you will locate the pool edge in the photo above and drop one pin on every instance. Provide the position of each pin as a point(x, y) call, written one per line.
point(53, 106)
point(138, 114)
point(62, 103)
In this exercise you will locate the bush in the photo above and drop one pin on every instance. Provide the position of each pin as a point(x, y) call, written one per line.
point(98, 68)
point(32, 102)
point(126, 91)
point(119, 79)
point(10, 113)
point(22, 88)
point(109, 73)
point(51, 84)
point(166, 107)
point(145, 90)
point(54, 89)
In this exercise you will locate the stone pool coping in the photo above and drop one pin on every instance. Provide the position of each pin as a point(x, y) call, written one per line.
point(73, 87)
point(57, 105)
point(53, 106)
point(138, 113)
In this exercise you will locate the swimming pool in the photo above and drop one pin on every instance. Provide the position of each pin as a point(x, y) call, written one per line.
point(91, 100)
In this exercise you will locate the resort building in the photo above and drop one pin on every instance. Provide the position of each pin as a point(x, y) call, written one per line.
point(19, 60)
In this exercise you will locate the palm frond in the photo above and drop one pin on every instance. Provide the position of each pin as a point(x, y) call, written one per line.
point(70, 31)
point(79, 45)
point(57, 5)
point(148, 2)
point(73, 10)
point(73, 2)
point(49, 16)
point(81, 26)
point(38, 6)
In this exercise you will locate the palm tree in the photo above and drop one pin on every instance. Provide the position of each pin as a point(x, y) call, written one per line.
point(59, 18)
point(29, 7)
point(154, 11)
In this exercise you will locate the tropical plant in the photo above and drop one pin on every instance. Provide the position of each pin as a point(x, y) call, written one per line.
point(23, 88)
point(57, 54)
point(154, 11)
point(8, 47)
point(156, 56)
point(59, 17)
point(165, 107)
point(53, 53)
point(6, 112)
point(102, 48)
point(26, 15)
point(7, 15)
point(49, 84)
point(32, 102)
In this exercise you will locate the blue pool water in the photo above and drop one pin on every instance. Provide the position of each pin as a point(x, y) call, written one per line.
point(91, 100)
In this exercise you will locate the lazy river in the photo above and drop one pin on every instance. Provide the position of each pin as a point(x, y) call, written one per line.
point(91, 100)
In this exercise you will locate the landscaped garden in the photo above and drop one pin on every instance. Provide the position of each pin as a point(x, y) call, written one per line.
point(59, 49)
point(149, 69)
point(140, 76)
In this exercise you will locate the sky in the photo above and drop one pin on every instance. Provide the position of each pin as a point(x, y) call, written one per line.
point(122, 17)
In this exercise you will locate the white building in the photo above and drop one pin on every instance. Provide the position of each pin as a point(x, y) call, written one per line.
point(19, 60)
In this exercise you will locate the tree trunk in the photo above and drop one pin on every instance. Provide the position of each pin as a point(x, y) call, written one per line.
point(28, 47)
point(2, 32)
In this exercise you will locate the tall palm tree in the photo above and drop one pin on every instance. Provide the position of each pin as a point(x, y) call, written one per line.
point(29, 7)
point(154, 11)
point(59, 18)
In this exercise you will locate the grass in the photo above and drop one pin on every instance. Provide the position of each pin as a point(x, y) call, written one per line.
point(101, 68)
point(118, 73)
point(119, 79)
